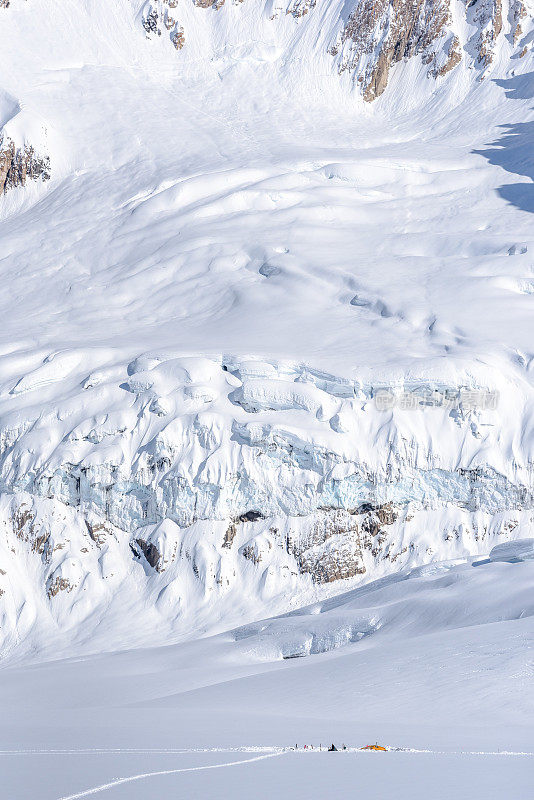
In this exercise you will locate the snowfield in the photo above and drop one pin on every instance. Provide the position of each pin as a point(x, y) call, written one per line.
point(266, 397)
point(434, 661)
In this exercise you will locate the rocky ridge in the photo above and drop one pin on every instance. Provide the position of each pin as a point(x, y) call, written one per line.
point(378, 34)
point(369, 39)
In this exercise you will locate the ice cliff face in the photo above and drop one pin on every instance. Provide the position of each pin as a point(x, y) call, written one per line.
point(203, 481)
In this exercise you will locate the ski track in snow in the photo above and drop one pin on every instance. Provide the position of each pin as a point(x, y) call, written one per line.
point(138, 751)
point(271, 754)
point(104, 786)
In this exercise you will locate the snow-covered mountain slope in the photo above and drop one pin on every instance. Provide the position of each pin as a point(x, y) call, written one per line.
point(261, 340)
point(364, 38)
point(435, 661)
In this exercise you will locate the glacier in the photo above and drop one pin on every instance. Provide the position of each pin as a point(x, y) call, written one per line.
point(195, 359)
point(266, 396)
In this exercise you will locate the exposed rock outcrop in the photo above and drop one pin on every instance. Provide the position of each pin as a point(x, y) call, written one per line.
point(487, 16)
point(299, 8)
point(454, 56)
point(158, 17)
point(58, 585)
point(229, 535)
point(331, 550)
point(216, 4)
point(517, 14)
point(151, 553)
point(177, 36)
point(379, 33)
point(20, 164)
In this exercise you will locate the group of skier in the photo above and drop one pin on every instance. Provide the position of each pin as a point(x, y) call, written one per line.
point(334, 749)
point(330, 749)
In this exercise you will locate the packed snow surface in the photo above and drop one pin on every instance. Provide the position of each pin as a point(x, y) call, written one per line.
point(433, 661)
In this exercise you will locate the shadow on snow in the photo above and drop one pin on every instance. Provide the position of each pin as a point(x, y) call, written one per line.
point(514, 151)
